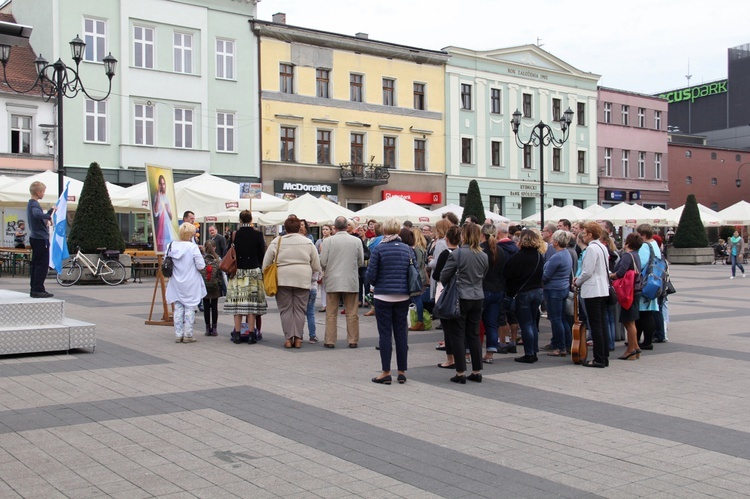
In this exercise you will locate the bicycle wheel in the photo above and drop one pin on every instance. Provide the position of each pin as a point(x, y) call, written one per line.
point(112, 272)
point(69, 274)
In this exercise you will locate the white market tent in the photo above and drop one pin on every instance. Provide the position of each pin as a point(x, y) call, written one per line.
point(459, 210)
point(594, 209)
point(737, 214)
point(709, 217)
point(555, 213)
point(232, 209)
point(627, 214)
point(315, 210)
point(398, 208)
point(16, 192)
point(666, 215)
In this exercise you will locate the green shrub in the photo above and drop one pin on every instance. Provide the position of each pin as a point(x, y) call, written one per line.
point(474, 205)
point(95, 224)
point(690, 231)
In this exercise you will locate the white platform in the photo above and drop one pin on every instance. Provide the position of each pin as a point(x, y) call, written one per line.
point(39, 325)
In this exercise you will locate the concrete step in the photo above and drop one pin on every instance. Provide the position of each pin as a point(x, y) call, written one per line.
point(17, 309)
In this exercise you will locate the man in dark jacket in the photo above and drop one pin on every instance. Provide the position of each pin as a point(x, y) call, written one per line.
point(507, 322)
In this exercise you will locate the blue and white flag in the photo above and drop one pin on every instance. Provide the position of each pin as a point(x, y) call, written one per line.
point(58, 250)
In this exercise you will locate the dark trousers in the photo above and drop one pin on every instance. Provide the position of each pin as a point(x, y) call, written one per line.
point(39, 264)
point(211, 311)
point(464, 332)
point(391, 320)
point(646, 326)
point(596, 308)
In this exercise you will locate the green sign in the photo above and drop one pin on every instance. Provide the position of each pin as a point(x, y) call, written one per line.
point(692, 93)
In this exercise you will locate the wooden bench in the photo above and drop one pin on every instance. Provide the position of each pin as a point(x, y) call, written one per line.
point(142, 262)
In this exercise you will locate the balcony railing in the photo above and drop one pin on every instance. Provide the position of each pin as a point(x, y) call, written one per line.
point(364, 174)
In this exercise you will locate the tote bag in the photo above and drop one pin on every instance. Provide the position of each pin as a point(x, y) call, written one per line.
point(448, 305)
point(228, 264)
point(414, 280)
point(270, 273)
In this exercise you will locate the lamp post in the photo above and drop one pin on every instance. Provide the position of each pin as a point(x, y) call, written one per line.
point(542, 135)
point(57, 81)
point(738, 181)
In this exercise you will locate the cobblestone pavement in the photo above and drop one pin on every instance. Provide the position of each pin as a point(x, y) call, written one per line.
point(145, 417)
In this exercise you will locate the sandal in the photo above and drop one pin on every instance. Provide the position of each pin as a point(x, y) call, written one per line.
point(488, 361)
point(557, 353)
point(593, 363)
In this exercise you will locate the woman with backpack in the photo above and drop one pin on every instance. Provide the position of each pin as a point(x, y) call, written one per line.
point(211, 278)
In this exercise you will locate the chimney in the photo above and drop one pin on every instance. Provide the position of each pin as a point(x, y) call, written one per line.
point(279, 17)
point(364, 36)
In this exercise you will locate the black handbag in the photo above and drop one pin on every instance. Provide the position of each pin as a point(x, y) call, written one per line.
point(448, 305)
point(414, 279)
point(167, 265)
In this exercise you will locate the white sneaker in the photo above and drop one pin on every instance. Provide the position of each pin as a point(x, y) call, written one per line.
point(731, 277)
point(743, 275)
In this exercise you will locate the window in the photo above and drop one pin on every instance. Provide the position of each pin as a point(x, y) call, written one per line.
point(324, 147)
point(657, 165)
point(624, 114)
point(715, 206)
point(495, 95)
point(462, 200)
point(641, 164)
point(389, 88)
point(419, 102)
point(688, 154)
point(355, 87)
point(625, 163)
point(688, 180)
point(527, 157)
point(581, 114)
point(96, 121)
point(143, 47)
point(286, 78)
point(183, 53)
point(556, 109)
point(466, 151)
point(738, 158)
point(225, 59)
point(713, 155)
point(497, 203)
point(389, 152)
point(144, 125)
point(183, 128)
point(465, 96)
point(20, 134)
point(641, 117)
point(607, 161)
point(527, 105)
point(657, 120)
point(579, 203)
point(358, 148)
point(581, 161)
point(323, 83)
point(420, 155)
point(225, 123)
point(559, 202)
point(94, 34)
point(287, 144)
point(495, 152)
point(556, 159)
point(607, 112)
point(714, 181)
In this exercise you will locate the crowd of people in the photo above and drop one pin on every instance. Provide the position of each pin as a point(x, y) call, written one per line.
point(506, 278)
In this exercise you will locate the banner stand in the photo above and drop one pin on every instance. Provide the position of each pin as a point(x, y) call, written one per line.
point(166, 318)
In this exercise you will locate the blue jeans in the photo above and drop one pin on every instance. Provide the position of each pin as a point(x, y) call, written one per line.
point(419, 302)
point(562, 335)
point(611, 327)
point(736, 263)
point(527, 309)
point(392, 323)
point(311, 312)
point(490, 311)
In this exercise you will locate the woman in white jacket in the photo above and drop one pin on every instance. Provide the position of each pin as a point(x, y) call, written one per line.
point(185, 288)
point(594, 284)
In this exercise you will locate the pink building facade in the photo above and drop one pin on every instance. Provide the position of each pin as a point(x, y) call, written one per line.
point(632, 148)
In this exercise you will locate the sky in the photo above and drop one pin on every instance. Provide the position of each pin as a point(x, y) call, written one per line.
point(643, 46)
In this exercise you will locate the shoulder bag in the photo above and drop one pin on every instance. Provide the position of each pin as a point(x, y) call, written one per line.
point(509, 302)
point(270, 273)
point(228, 264)
point(448, 306)
point(414, 279)
point(612, 294)
point(625, 287)
point(167, 266)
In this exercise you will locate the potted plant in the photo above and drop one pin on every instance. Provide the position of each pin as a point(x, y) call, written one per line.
point(690, 242)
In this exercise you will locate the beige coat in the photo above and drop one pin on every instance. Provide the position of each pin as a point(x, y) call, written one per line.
point(298, 259)
point(341, 256)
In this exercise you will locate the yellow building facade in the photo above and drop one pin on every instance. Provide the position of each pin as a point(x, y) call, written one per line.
point(355, 119)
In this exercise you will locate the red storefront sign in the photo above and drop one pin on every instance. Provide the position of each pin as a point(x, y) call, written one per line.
point(416, 197)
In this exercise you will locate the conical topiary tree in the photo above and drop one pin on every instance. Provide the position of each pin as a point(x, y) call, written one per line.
point(690, 231)
point(95, 225)
point(474, 205)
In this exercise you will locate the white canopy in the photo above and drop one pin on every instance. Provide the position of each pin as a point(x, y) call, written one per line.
point(459, 210)
point(313, 209)
point(627, 214)
point(555, 213)
point(398, 208)
point(16, 191)
point(737, 214)
point(594, 209)
point(667, 216)
point(709, 217)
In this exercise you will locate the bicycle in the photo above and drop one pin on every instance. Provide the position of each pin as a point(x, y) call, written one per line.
point(111, 271)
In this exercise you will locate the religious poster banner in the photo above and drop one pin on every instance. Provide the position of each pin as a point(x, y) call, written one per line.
point(161, 197)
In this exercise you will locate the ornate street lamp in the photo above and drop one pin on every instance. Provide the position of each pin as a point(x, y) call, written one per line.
point(542, 135)
point(738, 181)
point(57, 81)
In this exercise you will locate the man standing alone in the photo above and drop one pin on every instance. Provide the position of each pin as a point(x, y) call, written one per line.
point(341, 256)
point(39, 239)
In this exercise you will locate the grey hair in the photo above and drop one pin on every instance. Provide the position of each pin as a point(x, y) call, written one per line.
point(340, 223)
point(561, 237)
point(502, 227)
